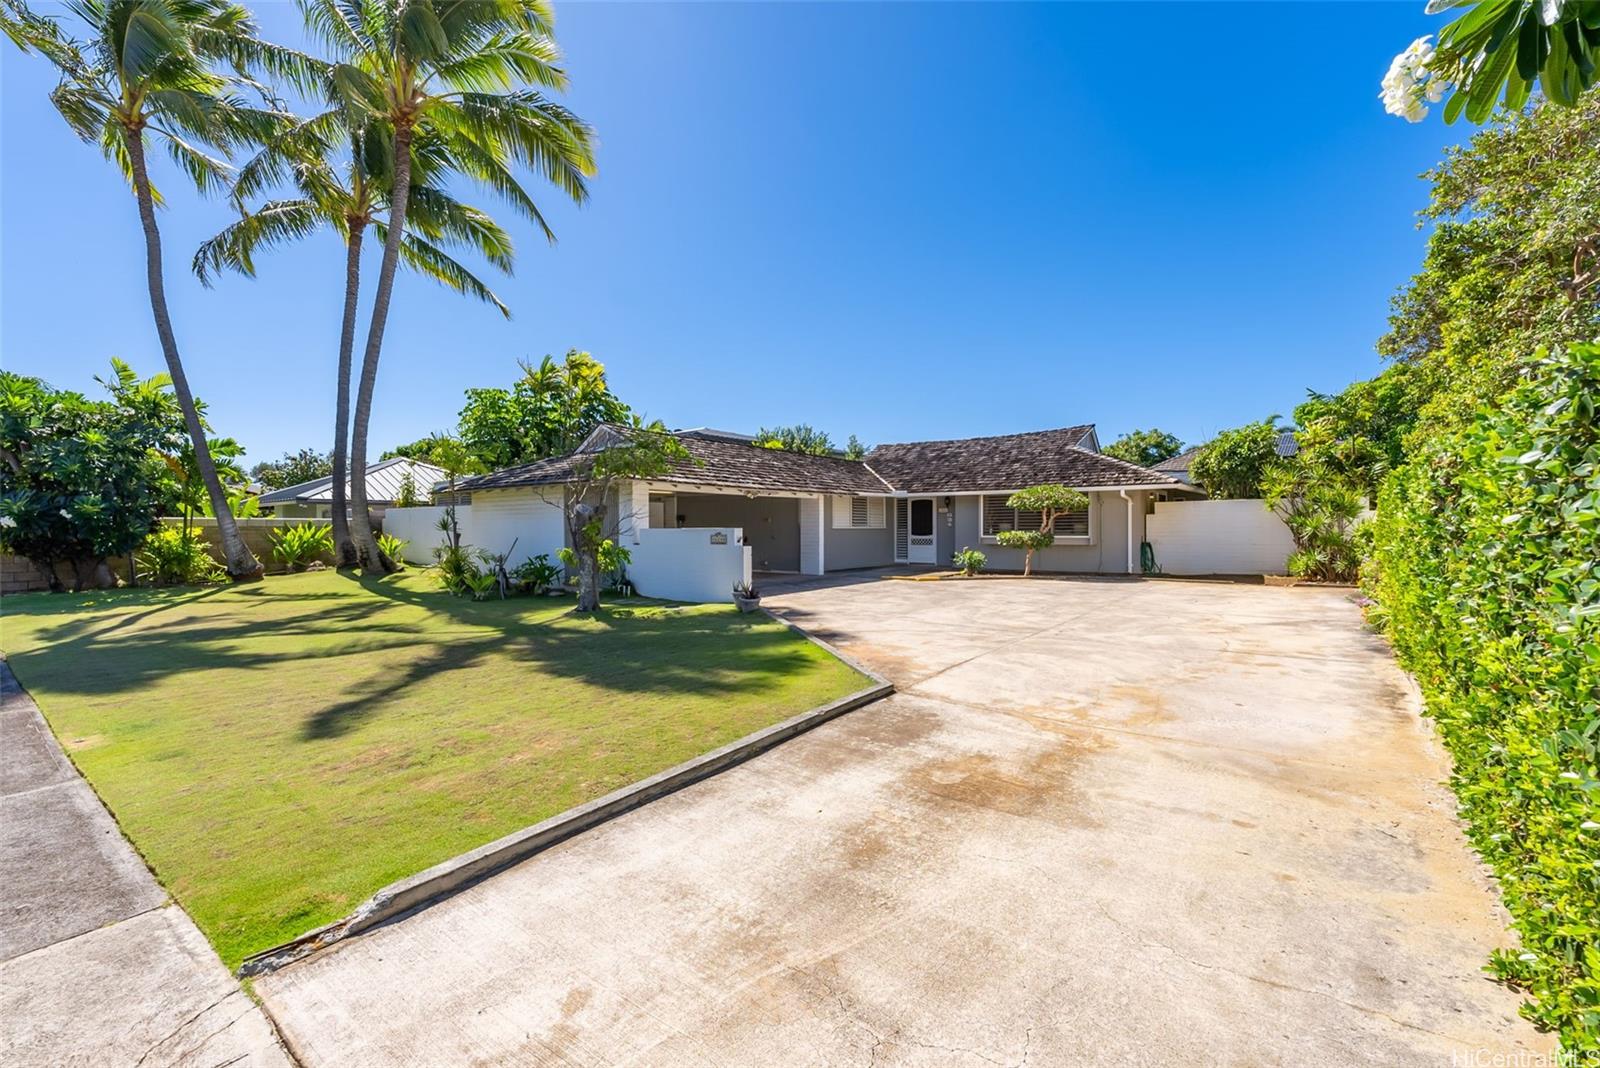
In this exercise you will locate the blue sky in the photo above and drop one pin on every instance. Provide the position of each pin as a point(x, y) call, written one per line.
point(900, 221)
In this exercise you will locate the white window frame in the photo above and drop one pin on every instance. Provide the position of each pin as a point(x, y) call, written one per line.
point(1059, 539)
point(873, 512)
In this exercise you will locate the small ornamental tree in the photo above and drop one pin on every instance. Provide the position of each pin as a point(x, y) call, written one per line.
point(1051, 502)
point(640, 452)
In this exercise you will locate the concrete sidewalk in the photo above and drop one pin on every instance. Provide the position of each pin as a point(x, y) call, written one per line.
point(97, 967)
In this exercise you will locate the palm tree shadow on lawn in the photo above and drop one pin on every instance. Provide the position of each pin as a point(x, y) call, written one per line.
point(640, 649)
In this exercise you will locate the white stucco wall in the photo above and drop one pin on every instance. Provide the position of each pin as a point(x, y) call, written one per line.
point(529, 516)
point(1218, 538)
point(419, 529)
point(685, 564)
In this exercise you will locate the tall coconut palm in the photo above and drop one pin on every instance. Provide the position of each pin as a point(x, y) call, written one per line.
point(447, 72)
point(342, 177)
point(152, 70)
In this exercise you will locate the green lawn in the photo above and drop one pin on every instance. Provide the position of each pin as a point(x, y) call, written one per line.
point(279, 751)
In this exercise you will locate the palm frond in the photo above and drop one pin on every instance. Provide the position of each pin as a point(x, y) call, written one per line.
point(538, 132)
point(428, 259)
point(277, 223)
point(482, 164)
point(436, 215)
point(505, 60)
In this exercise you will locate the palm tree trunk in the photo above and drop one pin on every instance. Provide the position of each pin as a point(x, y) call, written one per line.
point(241, 562)
point(373, 562)
point(344, 550)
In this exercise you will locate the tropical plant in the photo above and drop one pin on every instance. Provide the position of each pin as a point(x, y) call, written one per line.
point(746, 591)
point(1499, 50)
point(1486, 544)
point(307, 465)
point(1233, 464)
point(969, 561)
point(798, 438)
point(1145, 447)
point(1320, 507)
point(82, 480)
point(173, 556)
point(394, 548)
point(480, 583)
point(297, 546)
point(1359, 434)
point(441, 73)
point(153, 70)
point(1050, 502)
point(855, 449)
point(342, 176)
point(537, 574)
point(547, 412)
point(405, 497)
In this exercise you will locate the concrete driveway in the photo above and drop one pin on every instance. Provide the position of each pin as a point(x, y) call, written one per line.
point(1104, 822)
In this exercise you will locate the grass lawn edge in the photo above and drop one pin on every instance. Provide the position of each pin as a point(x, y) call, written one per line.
point(460, 872)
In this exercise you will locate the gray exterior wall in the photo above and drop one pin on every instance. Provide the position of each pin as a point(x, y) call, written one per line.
point(1107, 555)
point(847, 548)
point(771, 524)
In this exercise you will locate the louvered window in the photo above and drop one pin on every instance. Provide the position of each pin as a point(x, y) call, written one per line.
point(998, 516)
point(859, 513)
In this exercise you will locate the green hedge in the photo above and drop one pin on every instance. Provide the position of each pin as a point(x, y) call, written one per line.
point(1487, 546)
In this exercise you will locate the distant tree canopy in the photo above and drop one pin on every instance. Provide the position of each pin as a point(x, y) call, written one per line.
point(1145, 447)
point(1234, 463)
point(547, 412)
point(293, 469)
point(802, 437)
point(82, 480)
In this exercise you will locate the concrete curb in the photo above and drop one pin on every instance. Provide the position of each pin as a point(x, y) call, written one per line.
point(458, 873)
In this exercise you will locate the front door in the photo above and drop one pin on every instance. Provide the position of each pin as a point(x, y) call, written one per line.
point(919, 530)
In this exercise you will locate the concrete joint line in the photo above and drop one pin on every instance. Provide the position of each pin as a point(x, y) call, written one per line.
point(458, 873)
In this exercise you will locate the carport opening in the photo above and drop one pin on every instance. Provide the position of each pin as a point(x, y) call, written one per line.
point(771, 525)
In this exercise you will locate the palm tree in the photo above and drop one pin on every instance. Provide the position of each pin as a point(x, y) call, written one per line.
point(342, 177)
point(443, 72)
point(149, 70)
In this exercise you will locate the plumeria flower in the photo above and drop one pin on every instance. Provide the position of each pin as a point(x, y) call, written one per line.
point(65, 514)
point(1528, 956)
point(1410, 86)
point(1589, 825)
point(1569, 775)
point(7, 522)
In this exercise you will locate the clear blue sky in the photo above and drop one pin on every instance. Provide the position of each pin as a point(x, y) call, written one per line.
point(901, 221)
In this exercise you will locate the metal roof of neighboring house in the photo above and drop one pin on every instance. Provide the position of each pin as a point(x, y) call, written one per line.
point(1005, 462)
point(1287, 444)
point(383, 483)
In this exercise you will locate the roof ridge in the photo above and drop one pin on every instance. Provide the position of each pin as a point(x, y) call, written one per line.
point(1125, 463)
point(1085, 427)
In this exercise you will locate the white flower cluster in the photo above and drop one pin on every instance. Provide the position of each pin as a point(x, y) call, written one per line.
point(1409, 86)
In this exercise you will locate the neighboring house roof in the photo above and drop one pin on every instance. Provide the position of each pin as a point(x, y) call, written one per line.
point(1004, 463)
point(1178, 464)
point(383, 483)
point(1287, 445)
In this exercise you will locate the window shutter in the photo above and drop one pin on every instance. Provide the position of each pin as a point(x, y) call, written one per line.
point(875, 513)
point(858, 511)
point(841, 513)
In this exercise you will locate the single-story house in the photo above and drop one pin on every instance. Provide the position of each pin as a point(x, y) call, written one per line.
point(314, 499)
point(912, 503)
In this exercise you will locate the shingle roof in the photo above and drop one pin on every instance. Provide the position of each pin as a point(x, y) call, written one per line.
point(383, 483)
point(1179, 462)
point(717, 462)
point(1006, 462)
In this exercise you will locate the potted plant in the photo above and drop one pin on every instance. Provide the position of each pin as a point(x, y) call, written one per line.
point(746, 596)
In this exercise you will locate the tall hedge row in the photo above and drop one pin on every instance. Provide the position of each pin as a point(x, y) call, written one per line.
point(1488, 581)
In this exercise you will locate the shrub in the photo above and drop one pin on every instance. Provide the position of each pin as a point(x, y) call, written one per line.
point(1488, 550)
point(393, 548)
point(970, 561)
point(482, 583)
point(1232, 464)
point(295, 547)
point(173, 556)
point(1320, 507)
point(610, 559)
point(536, 575)
point(1049, 501)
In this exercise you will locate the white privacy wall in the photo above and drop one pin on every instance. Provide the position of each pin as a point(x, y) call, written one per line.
point(532, 518)
point(1218, 538)
point(689, 563)
point(418, 528)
